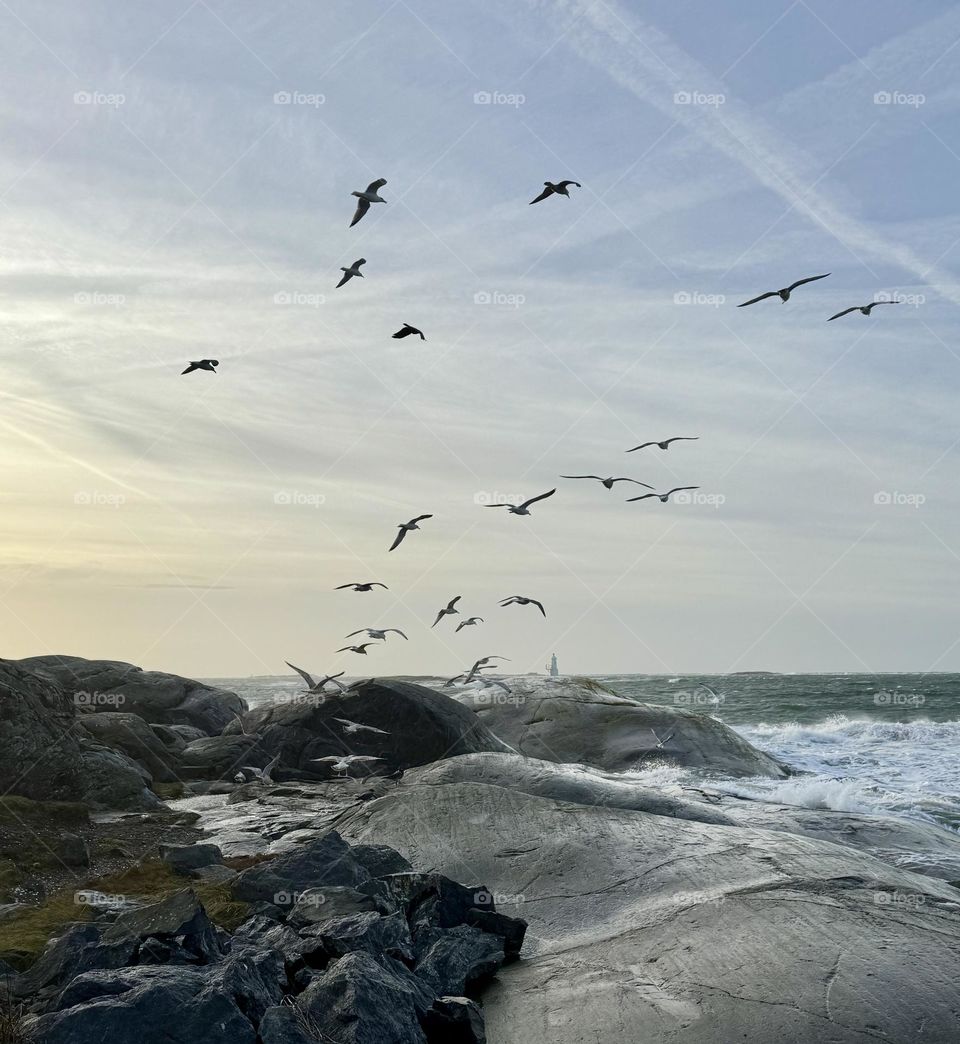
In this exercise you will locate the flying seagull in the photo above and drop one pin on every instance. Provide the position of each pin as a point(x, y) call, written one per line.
point(371, 194)
point(406, 527)
point(361, 649)
point(607, 482)
point(785, 293)
point(203, 364)
point(449, 611)
point(353, 270)
point(663, 497)
point(520, 600)
point(865, 309)
point(351, 727)
point(264, 775)
point(407, 329)
point(341, 764)
point(561, 188)
point(318, 685)
point(362, 587)
point(483, 664)
point(522, 509)
point(380, 633)
point(665, 445)
point(661, 742)
point(471, 622)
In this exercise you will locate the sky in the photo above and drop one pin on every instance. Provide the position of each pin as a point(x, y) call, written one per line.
point(175, 184)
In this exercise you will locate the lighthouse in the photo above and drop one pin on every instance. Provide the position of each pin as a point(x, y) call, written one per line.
point(552, 669)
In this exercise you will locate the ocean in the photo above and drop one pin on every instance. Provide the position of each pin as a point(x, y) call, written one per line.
point(883, 744)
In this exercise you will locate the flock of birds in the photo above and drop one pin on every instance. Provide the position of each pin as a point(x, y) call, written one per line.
point(319, 687)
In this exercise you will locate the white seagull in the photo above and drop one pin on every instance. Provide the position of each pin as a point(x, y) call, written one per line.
point(319, 685)
point(608, 482)
point(379, 633)
point(353, 270)
point(522, 509)
point(407, 527)
point(341, 764)
point(561, 188)
point(449, 611)
point(470, 622)
point(371, 194)
point(662, 497)
point(865, 309)
point(521, 600)
point(350, 727)
point(665, 445)
point(264, 775)
point(785, 293)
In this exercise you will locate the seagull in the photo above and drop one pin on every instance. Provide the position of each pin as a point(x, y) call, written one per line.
point(317, 686)
point(666, 442)
point(264, 775)
point(485, 684)
point(785, 293)
point(407, 329)
point(661, 742)
point(662, 496)
point(715, 697)
point(561, 188)
point(353, 270)
point(607, 482)
point(371, 194)
point(520, 600)
point(350, 727)
point(406, 527)
point(483, 664)
point(471, 622)
point(865, 309)
point(522, 509)
point(363, 587)
point(203, 364)
point(373, 632)
point(450, 610)
point(341, 764)
point(361, 649)
point(243, 731)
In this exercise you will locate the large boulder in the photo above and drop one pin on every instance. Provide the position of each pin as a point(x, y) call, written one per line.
point(130, 734)
point(158, 698)
point(577, 720)
point(221, 757)
point(646, 928)
point(421, 726)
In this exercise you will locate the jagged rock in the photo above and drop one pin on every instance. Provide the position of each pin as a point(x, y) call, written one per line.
point(380, 860)
point(511, 930)
point(370, 932)
point(182, 859)
point(156, 697)
point(112, 780)
point(72, 851)
point(328, 903)
point(221, 757)
point(131, 735)
point(180, 917)
point(286, 1025)
point(576, 720)
point(459, 960)
point(423, 726)
point(454, 1020)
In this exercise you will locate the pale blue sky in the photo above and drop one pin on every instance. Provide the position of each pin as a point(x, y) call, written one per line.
point(161, 203)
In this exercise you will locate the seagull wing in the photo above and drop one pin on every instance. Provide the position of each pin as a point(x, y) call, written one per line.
point(398, 539)
point(420, 518)
point(376, 583)
point(453, 602)
point(190, 368)
point(405, 332)
point(644, 496)
point(846, 311)
point(343, 587)
point(809, 279)
point(680, 489)
point(643, 445)
point(597, 477)
point(762, 297)
point(361, 757)
point(543, 496)
point(543, 195)
point(303, 674)
point(346, 648)
point(873, 304)
point(268, 771)
point(363, 630)
point(345, 278)
point(395, 630)
point(682, 438)
point(564, 184)
point(345, 721)
point(375, 186)
point(511, 600)
point(635, 481)
point(440, 616)
point(533, 601)
point(363, 206)
point(328, 758)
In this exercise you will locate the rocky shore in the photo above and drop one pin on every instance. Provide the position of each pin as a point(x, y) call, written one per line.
point(492, 876)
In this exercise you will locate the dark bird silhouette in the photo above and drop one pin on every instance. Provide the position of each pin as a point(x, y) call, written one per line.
point(353, 270)
point(449, 611)
point(666, 442)
point(785, 293)
point(561, 188)
point(864, 309)
point(369, 195)
point(407, 329)
point(203, 364)
point(407, 527)
point(608, 482)
point(662, 497)
point(361, 649)
point(521, 509)
point(317, 685)
point(362, 587)
point(520, 600)
point(379, 633)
